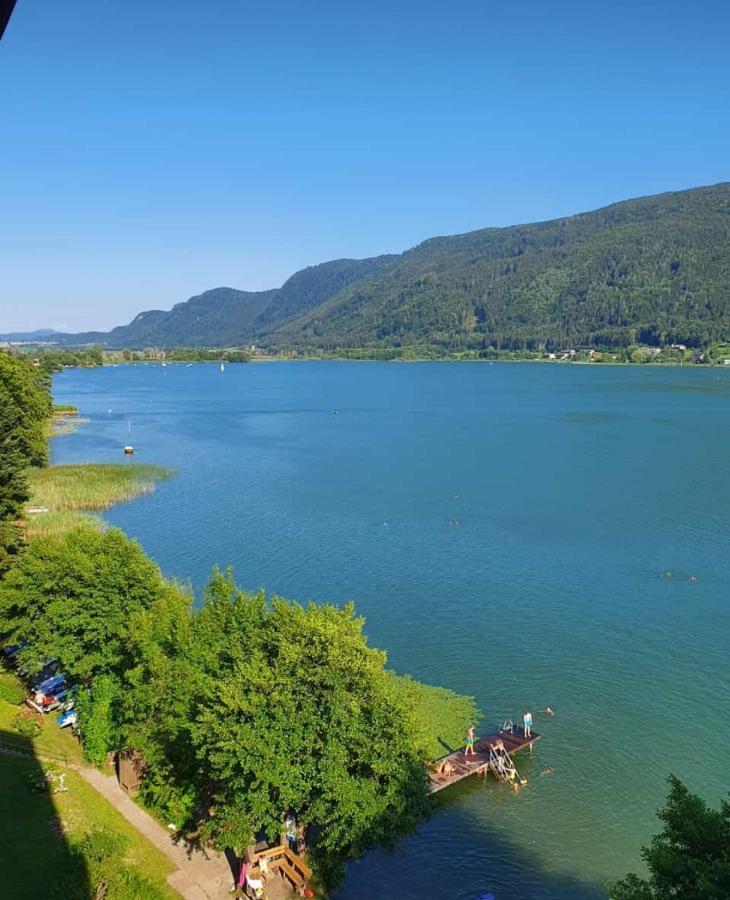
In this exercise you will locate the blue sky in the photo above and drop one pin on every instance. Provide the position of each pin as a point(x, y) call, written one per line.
point(151, 150)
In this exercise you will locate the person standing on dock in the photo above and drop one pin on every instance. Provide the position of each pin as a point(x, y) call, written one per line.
point(469, 741)
point(527, 722)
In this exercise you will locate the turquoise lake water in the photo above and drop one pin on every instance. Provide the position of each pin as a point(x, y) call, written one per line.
point(574, 488)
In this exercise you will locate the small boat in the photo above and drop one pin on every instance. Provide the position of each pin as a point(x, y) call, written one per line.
point(223, 368)
point(129, 449)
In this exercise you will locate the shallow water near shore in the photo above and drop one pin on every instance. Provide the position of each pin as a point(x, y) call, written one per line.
point(525, 534)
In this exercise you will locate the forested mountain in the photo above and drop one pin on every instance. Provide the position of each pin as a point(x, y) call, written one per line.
point(654, 270)
point(224, 317)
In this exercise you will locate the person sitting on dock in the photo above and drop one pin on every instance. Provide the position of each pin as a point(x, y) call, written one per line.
point(527, 722)
point(469, 748)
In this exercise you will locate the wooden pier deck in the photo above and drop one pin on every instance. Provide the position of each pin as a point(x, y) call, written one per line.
point(455, 766)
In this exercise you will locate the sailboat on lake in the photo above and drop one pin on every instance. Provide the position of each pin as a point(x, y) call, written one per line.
point(129, 449)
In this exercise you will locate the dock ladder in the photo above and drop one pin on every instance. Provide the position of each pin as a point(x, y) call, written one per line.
point(500, 762)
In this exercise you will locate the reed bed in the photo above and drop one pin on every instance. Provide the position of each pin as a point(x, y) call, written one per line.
point(56, 524)
point(64, 420)
point(90, 486)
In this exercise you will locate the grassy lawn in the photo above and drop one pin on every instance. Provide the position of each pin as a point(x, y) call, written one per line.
point(70, 493)
point(52, 740)
point(42, 834)
point(37, 841)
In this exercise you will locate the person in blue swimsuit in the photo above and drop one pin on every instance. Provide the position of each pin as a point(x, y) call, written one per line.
point(527, 722)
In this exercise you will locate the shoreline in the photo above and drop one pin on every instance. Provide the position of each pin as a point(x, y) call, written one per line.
point(420, 359)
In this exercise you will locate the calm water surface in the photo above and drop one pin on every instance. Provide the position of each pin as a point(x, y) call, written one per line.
point(573, 488)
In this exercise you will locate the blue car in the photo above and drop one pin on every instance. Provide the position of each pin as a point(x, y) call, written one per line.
point(11, 651)
point(50, 686)
point(66, 718)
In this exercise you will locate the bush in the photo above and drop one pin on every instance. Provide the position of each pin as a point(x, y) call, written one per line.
point(26, 723)
point(11, 691)
point(95, 707)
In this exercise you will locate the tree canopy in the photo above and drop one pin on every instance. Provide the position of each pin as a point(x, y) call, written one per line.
point(690, 857)
point(25, 406)
point(72, 600)
point(244, 708)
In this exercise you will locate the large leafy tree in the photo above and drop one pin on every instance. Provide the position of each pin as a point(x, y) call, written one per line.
point(156, 708)
point(27, 390)
point(13, 479)
point(245, 709)
point(690, 857)
point(73, 600)
point(25, 406)
point(304, 717)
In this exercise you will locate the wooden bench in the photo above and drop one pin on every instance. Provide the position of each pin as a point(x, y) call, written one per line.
point(287, 872)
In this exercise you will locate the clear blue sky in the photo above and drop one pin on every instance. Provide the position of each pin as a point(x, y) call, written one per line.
point(152, 149)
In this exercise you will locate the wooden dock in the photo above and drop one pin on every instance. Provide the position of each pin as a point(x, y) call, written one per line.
point(455, 766)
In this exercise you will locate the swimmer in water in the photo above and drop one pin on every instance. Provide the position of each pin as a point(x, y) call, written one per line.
point(548, 711)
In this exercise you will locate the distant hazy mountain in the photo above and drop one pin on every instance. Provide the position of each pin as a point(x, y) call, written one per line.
point(40, 334)
point(656, 270)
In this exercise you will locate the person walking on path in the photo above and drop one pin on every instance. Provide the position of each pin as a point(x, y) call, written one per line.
point(527, 722)
point(469, 741)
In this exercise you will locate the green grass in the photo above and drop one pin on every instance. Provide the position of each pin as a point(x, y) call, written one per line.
point(52, 741)
point(69, 493)
point(56, 524)
point(36, 840)
point(37, 831)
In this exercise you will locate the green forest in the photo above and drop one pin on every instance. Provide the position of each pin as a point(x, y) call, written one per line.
point(654, 271)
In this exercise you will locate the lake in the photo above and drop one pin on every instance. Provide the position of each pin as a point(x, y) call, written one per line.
point(504, 529)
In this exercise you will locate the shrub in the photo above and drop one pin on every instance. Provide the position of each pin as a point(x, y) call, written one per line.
point(26, 723)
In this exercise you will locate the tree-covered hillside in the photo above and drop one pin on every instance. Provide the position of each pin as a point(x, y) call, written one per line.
point(654, 270)
point(225, 317)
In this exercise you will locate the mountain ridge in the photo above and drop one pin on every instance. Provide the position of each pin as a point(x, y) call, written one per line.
point(652, 269)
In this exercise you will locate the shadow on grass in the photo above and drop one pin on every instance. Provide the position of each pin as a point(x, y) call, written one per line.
point(36, 859)
point(446, 747)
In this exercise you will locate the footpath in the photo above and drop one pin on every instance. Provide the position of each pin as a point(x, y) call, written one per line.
point(200, 875)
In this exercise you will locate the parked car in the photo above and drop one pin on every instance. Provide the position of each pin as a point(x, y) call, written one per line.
point(68, 716)
point(11, 651)
point(49, 685)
